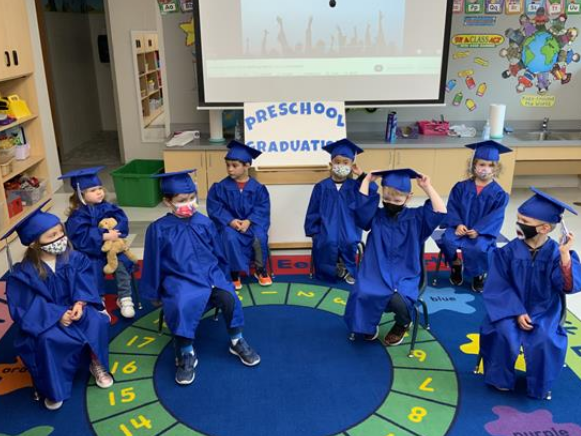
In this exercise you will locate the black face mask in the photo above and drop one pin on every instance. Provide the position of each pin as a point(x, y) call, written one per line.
point(528, 231)
point(392, 209)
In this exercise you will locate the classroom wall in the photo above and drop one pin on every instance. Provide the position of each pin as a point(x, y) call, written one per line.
point(74, 83)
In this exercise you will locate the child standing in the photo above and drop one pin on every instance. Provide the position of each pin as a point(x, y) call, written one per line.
point(239, 206)
point(523, 297)
point(390, 273)
point(475, 215)
point(53, 299)
point(88, 206)
point(184, 267)
point(330, 219)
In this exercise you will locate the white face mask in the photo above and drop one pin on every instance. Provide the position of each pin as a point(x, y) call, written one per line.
point(485, 173)
point(341, 170)
point(56, 247)
point(186, 209)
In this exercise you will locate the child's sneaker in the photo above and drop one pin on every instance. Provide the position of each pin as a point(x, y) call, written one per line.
point(247, 355)
point(236, 280)
point(374, 336)
point(186, 369)
point(478, 283)
point(102, 378)
point(127, 307)
point(263, 278)
point(395, 335)
point(52, 405)
point(456, 275)
point(349, 279)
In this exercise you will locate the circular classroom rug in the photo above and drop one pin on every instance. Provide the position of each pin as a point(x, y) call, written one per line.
point(312, 381)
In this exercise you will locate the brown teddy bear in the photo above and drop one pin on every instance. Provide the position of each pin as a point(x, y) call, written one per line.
point(113, 248)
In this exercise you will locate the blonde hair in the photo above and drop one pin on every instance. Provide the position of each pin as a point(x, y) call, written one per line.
point(75, 202)
point(471, 163)
point(392, 192)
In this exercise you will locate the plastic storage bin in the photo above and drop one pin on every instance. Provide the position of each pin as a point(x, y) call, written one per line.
point(135, 186)
point(28, 196)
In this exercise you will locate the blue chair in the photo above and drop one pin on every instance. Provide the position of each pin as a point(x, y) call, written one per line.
point(360, 251)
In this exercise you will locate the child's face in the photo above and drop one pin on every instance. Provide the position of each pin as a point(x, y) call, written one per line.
point(389, 196)
point(484, 169)
point(541, 227)
point(179, 198)
point(341, 166)
point(236, 169)
point(51, 235)
point(94, 195)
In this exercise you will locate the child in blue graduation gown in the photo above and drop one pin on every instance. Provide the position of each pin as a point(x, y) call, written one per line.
point(184, 267)
point(475, 215)
point(523, 296)
point(88, 206)
point(330, 219)
point(239, 206)
point(53, 299)
point(389, 276)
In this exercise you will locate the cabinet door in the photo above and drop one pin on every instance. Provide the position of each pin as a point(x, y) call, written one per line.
point(375, 160)
point(216, 167)
point(508, 161)
point(421, 161)
point(186, 160)
point(16, 47)
point(450, 166)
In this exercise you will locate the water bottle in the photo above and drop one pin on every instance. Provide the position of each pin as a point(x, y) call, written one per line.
point(486, 131)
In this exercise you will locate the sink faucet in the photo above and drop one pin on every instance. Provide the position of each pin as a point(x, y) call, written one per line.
point(545, 124)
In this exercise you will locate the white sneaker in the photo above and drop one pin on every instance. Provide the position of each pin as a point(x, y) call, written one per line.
point(102, 378)
point(349, 279)
point(52, 405)
point(127, 307)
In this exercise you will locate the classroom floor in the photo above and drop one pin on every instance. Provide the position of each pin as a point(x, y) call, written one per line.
point(312, 380)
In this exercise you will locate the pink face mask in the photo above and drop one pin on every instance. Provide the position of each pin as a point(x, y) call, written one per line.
point(485, 173)
point(185, 209)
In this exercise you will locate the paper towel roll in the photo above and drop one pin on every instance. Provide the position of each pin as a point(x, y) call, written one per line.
point(496, 117)
point(216, 133)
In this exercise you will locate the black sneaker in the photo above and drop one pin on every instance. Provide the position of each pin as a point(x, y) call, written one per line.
point(456, 275)
point(247, 355)
point(372, 337)
point(186, 369)
point(395, 335)
point(478, 283)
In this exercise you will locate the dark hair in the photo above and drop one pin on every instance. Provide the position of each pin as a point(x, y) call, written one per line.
point(236, 160)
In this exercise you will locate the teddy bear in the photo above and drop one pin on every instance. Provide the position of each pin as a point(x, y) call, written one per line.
point(113, 248)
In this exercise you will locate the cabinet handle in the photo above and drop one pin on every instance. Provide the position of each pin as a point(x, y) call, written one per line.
point(15, 57)
point(7, 58)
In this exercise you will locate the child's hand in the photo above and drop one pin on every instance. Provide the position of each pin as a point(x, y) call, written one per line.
point(370, 177)
point(244, 225)
point(568, 245)
point(77, 311)
point(356, 170)
point(112, 235)
point(235, 224)
point(525, 322)
point(461, 230)
point(424, 181)
point(66, 319)
point(472, 234)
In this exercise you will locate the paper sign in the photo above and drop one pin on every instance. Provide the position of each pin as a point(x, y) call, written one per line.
point(514, 7)
point(494, 6)
point(541, 101)
point(477, 40)
point(458, 6)
point(532, 6)
point(555, 7)
point(573, 7)
point(474, 6)
point(168, 6)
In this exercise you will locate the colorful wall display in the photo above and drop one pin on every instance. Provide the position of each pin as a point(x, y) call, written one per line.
point(474, 7)
point(169, 6)
point(477, 40)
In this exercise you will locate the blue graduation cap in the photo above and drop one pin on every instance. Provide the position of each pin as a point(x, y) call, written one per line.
point(398, 179)
point(178, 182)
point(343, 147)
point(488, 150)
point(34, 225)
point(241, 152)
point(84, 179)
point(543, 207)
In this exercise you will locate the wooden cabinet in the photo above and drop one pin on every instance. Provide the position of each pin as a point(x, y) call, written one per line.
point(15, 47)
point(215, 167)
point(150, 88)
point(375, 160)
point(450, 166)
point(187, 160)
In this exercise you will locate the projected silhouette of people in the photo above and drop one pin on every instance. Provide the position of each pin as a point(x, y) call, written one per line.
point(282, 39)
point(309, 37)
point(263, 50)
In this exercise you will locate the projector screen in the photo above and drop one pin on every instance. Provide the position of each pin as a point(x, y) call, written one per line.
point(363, 52)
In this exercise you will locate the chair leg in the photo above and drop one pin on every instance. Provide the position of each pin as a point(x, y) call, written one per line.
point(135, 290)
point(216, 312)
point(352, 337)
point(478, 362)
point(437, 271)
point(414, 330)
point(426, 314)
point(160, 322)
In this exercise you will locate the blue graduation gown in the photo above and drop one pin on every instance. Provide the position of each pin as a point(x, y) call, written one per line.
point(51, 352)
point(225, 203)
point(516, 285)
point(391, 262)
point(482, 212)
point(183, 261)
point(84, 233)
point(330, 222)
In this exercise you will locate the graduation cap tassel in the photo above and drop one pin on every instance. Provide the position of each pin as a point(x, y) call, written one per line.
point(9, 256)
point(80, 194)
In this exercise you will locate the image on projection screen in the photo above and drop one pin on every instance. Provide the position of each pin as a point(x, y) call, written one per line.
point(358, 51)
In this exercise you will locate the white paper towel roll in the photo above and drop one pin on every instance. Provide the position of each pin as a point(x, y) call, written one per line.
point(496, 117)
point(216, 133)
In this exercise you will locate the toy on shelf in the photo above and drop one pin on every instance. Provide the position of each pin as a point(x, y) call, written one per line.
point(29, 188)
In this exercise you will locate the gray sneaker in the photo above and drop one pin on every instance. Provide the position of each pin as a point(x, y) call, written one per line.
point(349, 279)
point(186, 370)
point(247, 355)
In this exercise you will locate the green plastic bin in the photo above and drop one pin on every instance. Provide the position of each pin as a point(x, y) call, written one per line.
point(135, 186)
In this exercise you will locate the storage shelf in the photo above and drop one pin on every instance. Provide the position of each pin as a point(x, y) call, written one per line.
point(149, 119)
point(26, 210)
point(151, 93)
point(20, 166)
point(18, 122)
